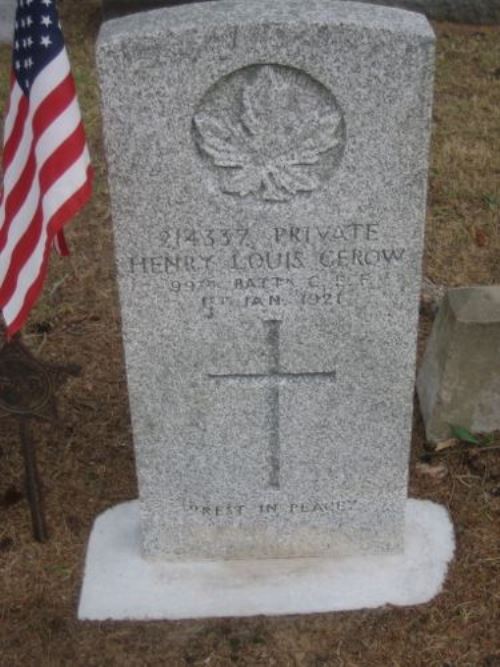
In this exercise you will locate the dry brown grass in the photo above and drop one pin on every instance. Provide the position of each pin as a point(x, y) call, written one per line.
point(463, 231)
point(87, 463)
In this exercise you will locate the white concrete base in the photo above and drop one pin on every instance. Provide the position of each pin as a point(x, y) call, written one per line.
point(120, 584)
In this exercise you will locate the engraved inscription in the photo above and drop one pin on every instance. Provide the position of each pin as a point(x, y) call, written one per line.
point(270, 131)
point(271, 269)
point(227, 510)
point(311, 266)
point(273, 378)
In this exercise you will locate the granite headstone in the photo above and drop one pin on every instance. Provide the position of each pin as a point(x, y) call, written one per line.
point(268, 167)
point(459, 381)
point(7, 13)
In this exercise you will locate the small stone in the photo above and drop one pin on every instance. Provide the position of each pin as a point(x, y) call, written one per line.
point(432, 296)
point(459, 381)
point(436, 471)
point(446, 444)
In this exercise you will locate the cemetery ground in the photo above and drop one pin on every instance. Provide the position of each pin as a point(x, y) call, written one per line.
point(86, 461)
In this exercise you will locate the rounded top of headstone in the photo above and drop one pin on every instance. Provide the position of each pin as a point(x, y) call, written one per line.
point(241, 12)
point(479, 304)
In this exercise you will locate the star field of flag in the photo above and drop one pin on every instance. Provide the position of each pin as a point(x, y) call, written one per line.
point(37, 39)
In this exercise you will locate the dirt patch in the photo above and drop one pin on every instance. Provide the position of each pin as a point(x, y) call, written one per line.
point(87, 462)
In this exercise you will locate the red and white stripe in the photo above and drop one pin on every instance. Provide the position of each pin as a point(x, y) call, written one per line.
point(47, 178)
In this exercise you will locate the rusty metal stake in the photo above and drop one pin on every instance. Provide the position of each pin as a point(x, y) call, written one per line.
point(28, 391)
point(33, 487)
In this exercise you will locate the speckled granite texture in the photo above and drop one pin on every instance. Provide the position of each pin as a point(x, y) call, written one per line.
point(268, 168)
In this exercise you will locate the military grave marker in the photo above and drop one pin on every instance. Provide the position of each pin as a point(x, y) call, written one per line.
point(268, 168)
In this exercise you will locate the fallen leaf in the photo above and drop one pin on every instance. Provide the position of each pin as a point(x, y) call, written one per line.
point(446, 444)
point(481, 238)
point(436, 472)
point(464, 434)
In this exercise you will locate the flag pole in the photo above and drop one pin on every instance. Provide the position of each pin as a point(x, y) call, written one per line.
point(33, 486)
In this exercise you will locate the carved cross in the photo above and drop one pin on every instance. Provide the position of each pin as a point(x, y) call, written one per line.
point(273, 378)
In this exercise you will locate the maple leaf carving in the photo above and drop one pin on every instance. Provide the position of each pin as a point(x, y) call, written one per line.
point(278, 137)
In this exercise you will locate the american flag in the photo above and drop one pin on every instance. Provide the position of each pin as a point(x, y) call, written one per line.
point(46, 166)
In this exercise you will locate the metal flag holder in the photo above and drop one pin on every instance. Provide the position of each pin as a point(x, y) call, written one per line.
point(28, 391)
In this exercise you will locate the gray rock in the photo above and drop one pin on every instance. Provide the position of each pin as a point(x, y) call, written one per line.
point(431, 297)
point(459, 11)
point(7, 13)
point(433, 291)
point(268, 168)
point(459, 381)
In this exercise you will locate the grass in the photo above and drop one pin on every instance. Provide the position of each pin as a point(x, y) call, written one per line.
point(87, 461)
point(463, 230)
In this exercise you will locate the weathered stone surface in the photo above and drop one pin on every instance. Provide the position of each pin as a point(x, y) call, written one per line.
point(460, 11)
point(459, 381)
point(7, 12)
point(268, 166)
